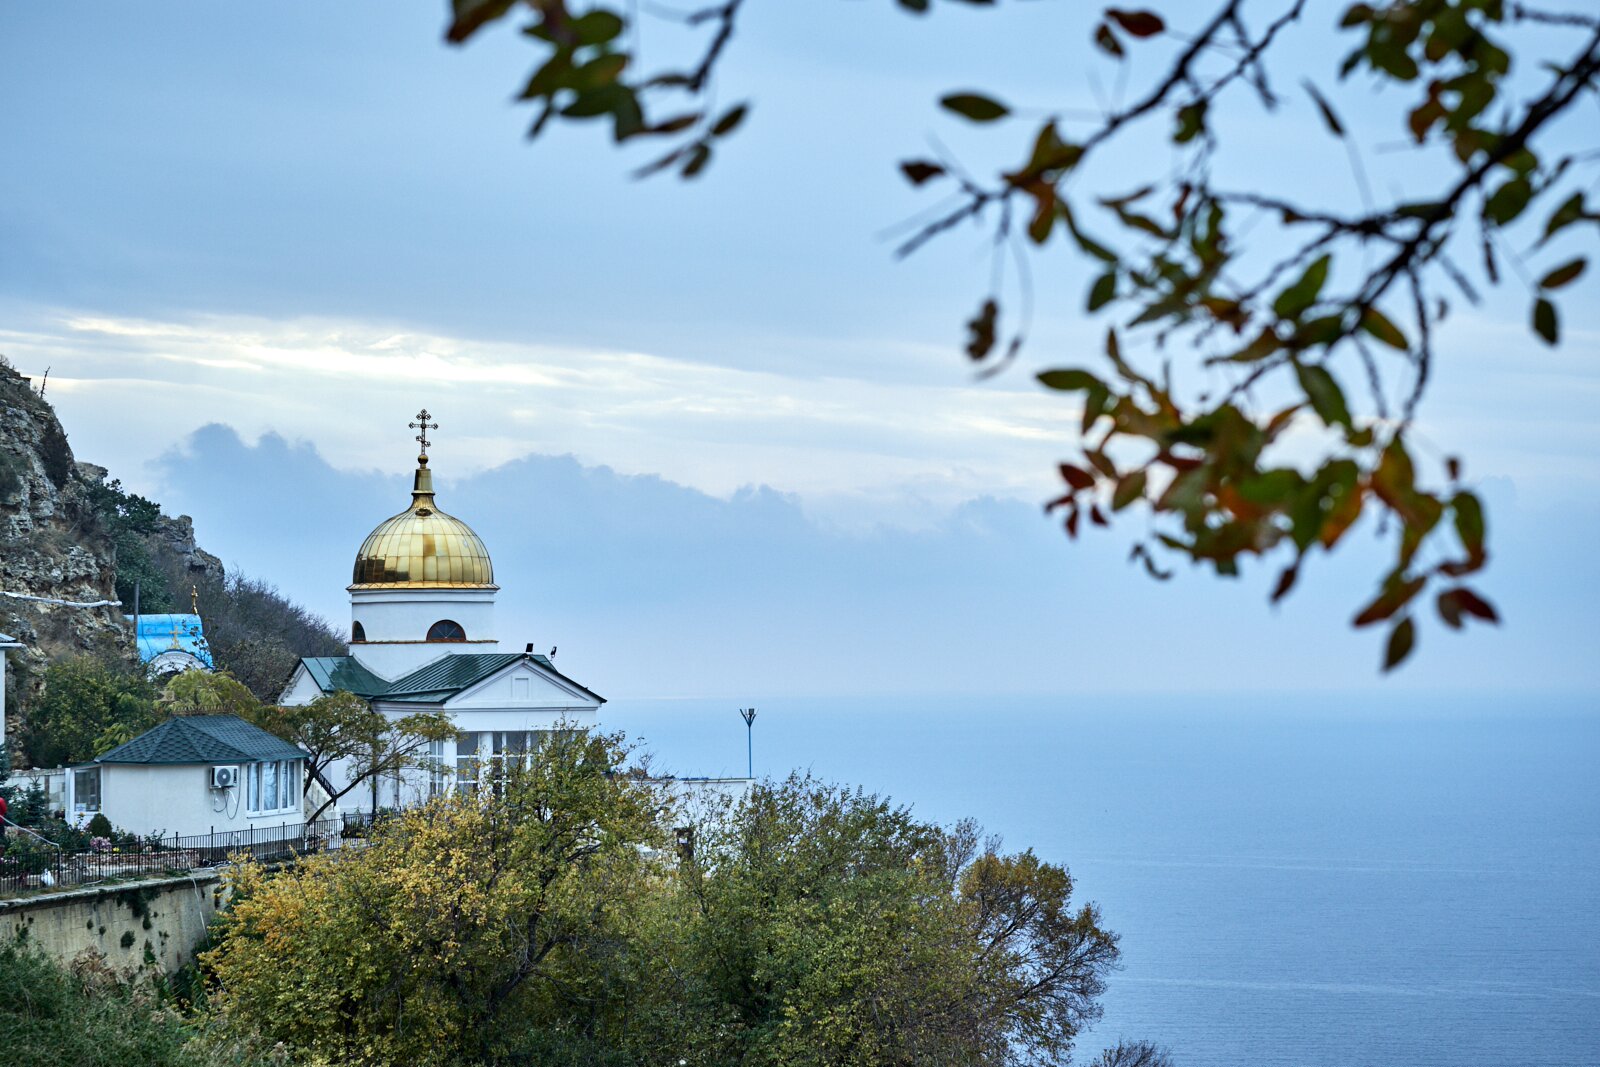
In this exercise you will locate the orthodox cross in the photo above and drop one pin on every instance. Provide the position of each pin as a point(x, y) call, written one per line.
point(425, 426)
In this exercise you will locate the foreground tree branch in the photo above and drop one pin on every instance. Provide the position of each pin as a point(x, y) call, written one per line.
point(1180, 284)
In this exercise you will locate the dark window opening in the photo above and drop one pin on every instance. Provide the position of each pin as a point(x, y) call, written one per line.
point(446, 630)
point(358, 633)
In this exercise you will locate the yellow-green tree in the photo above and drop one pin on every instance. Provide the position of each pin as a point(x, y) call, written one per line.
point(207, 693)
point(835, 928)
point(545, 922)
point(469, 925)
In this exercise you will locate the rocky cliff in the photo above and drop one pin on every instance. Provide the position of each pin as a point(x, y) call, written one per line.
point(69, 532)
point(53, 543)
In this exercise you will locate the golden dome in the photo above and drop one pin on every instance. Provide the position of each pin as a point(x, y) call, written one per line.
point(423, 548)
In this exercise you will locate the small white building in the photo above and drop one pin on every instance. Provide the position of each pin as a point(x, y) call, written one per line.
point(196, 774)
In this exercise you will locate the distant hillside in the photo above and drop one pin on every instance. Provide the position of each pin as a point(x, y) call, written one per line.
point(69, 531)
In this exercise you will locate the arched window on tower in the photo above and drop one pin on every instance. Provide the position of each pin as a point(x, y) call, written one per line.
point(446, 630)
point(357, 633)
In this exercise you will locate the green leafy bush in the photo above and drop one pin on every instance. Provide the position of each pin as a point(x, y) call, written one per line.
point(27, 802)
point(82, 699)
point(91, 1015)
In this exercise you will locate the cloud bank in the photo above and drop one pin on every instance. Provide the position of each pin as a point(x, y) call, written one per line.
point(655, 589)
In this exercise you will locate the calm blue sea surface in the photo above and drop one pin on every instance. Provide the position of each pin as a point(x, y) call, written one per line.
point(1317, 881)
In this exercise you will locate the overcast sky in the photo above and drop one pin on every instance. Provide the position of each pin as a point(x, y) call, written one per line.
point(305, 221)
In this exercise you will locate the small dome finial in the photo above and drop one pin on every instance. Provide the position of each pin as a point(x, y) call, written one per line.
point(422, 485)
point(422, 547)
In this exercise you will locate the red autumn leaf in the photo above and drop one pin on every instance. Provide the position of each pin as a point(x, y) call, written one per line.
point(1077, 477)
point(1475, 605)
point(1137, 23)
point(1395, 596)
point(918, 171)
point(1285, 582)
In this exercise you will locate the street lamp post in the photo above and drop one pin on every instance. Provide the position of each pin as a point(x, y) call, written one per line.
point(749, 717)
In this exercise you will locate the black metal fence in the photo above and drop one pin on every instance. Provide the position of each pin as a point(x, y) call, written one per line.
point(30, 864)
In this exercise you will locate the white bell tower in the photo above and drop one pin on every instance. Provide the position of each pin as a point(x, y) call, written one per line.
point(423, 584)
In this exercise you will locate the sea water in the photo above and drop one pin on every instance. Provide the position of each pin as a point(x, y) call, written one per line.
point(1299, 881)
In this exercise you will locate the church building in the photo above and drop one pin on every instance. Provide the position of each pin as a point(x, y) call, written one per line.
point(423, 638)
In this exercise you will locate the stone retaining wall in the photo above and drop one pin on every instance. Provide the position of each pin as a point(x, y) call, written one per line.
point(156, 925)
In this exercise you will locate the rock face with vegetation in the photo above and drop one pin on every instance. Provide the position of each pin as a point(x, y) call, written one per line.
point(53, 542)
point(69, 531)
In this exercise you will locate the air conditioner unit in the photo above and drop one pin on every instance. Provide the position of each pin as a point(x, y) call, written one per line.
point(224, 777)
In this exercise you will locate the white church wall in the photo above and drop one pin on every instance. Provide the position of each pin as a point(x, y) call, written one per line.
point(701, 799)
point(302, 689)
point(396, 624)
point(485, 719)
point(523, 685)
point(406, 614)
point(485, 727)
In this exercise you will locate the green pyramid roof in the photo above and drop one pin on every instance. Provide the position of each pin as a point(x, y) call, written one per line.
point(203, 739)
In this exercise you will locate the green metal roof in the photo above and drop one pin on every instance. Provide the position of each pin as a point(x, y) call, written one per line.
point(451, 674)
point(432, 683)
point(203, 739)
point(344, 672)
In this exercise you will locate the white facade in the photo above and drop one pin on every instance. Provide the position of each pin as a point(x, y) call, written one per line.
point(53, 780)
point(394, 625)
point(509, 712)
point(301, 690)
point(179, 798)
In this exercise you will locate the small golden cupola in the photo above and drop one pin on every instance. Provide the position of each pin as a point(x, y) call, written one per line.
point(422, 547)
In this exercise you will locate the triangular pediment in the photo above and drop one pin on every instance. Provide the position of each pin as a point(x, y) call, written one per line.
point(526, 683)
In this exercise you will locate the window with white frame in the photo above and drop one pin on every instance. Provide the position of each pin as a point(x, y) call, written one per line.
point(477, 750)
point(272, 786)
point(467, 761)
point(438, 773)
point(86, 790)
